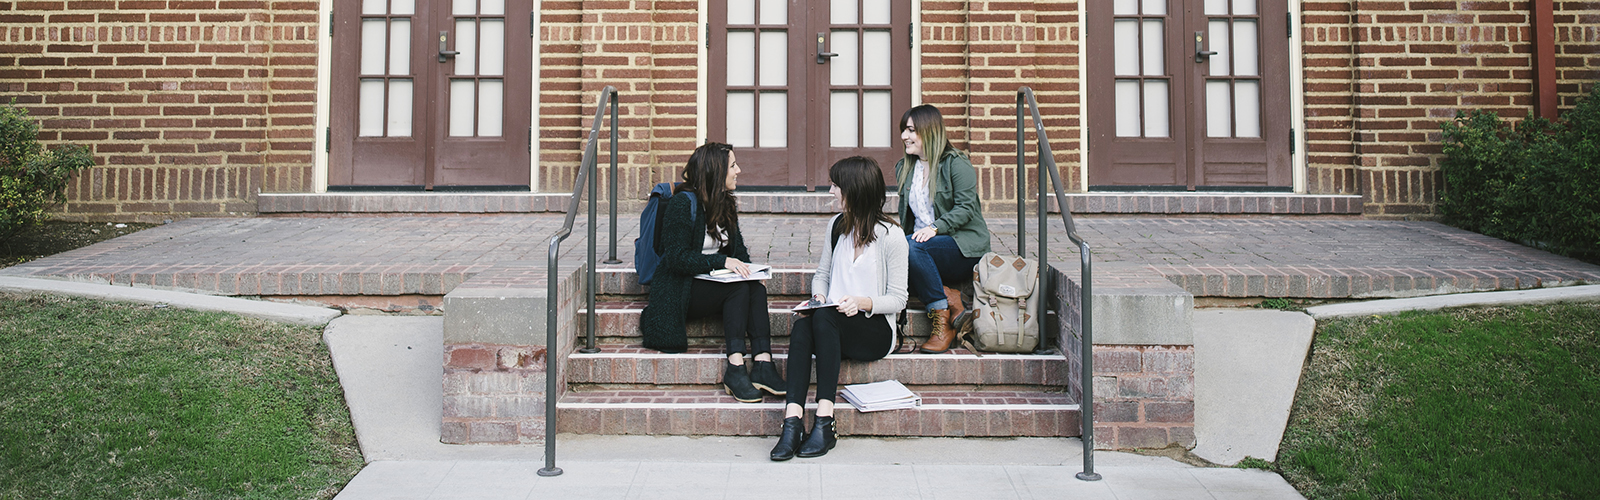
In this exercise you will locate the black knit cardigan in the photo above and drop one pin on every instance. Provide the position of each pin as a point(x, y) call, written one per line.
point(682, 236)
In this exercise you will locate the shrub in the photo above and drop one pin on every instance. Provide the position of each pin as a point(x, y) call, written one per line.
point(31, 178)
point(1535, 182)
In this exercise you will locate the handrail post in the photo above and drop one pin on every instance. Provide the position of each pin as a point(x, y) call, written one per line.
point(1022, 167)
point(613, 176)
point(550, 369)
point(1086, 378)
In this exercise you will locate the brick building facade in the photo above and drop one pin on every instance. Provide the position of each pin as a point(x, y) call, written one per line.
point(195, 107)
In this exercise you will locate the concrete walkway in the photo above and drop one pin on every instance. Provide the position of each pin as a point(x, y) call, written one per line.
point(390, 372)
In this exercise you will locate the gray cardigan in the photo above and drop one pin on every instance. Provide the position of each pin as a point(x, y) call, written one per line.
point(892, 254)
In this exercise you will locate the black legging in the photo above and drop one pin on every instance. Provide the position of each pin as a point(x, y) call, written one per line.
point(743, 305)
point(832, 337)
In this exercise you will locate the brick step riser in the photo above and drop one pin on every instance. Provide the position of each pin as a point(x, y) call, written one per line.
point(971, 373)
point(622, 325)
point(624, 281)
point(766, 420)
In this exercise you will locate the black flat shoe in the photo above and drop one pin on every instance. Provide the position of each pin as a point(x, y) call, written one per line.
point(794, 431)
point(821, 440)
point(737, 381)
point(764, 376)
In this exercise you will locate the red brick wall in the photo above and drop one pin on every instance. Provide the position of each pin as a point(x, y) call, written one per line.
point(648, 50)
point(190, 107)
point(1382, 75)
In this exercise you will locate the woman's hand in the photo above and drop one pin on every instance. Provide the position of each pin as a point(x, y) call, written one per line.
point(849, 305)
point(924, 234)
point(738, 267)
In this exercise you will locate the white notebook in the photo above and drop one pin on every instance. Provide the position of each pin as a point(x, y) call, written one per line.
point(879, 396)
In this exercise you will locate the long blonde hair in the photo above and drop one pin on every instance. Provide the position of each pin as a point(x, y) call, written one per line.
point(929, 125)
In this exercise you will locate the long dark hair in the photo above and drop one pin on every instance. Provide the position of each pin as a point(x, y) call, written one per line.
point(706, 174)
point(861, 182)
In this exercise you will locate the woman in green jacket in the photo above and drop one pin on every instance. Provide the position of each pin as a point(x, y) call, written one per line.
point(943, 219)
point(698, 243)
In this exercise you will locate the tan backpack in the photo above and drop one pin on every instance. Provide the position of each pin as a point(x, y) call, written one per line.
point(1007, 313)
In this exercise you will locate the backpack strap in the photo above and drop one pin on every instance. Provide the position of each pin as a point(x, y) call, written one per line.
point(833, 232)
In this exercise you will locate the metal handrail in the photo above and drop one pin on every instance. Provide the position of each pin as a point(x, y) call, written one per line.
point(1047, 163)
point(585, 170)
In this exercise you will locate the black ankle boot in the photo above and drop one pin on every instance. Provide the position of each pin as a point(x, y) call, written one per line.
point(737, 381)
point(794, 431)
point(821, 440)
point(764, 375)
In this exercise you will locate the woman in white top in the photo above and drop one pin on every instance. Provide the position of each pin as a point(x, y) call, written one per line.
point(863, 269)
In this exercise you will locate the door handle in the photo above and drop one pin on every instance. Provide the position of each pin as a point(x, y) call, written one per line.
point(444, 39)
point(822, 54)
point(1200, 54)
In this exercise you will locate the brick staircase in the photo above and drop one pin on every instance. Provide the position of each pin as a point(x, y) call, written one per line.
point(628, 389)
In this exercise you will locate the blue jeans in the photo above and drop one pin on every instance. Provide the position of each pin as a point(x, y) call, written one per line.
point(934, 264)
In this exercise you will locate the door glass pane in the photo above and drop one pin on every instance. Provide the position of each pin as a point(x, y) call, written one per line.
point(1244, 7)
point(1155, 53)
point(1244, 47)
point(371, 108)
point(875, 12)
point(464, 7)
point(1219, 117)
point(774, 12)
point(374, 7)
point(741, 11)
point(843, 120)
point(373, 36)
point(461, 109)
point(1127, 108)
point(400, 107)
point(493, 42)
point(1155, 7)
point(493, 7)
point(403, 7)
point(842, 12)
point(1247, 108)
point(1155, 109)
point(875, 52)
point(466, 43)
point(844, 67)
point(1216, 7)
point(399, 47)
point(491, 93)
point(1217, 41)
point(774, 58)
point(774, 119)
point(1125, 40)
point(741, 58)
point(877, 124)
point(741, 131)
point(1125, 7)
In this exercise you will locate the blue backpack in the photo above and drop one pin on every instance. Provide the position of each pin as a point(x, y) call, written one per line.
point(647, 247)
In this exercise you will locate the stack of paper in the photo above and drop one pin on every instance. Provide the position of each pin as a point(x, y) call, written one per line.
point(757, 272)
point(879, 396)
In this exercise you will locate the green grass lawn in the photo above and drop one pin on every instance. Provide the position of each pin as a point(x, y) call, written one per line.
point(109, 400)
point(1469, 403)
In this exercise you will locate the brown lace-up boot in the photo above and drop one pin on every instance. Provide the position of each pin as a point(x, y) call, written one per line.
point(958, 311)
point(942, 336)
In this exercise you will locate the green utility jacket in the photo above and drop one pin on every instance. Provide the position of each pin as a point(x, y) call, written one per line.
point(957, 211)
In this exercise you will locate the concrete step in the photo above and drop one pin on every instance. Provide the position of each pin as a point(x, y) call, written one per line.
point(700, 411)
point(624, 364)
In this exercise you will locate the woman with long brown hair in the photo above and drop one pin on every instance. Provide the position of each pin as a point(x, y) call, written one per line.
point(698, 242)
point(863, 269)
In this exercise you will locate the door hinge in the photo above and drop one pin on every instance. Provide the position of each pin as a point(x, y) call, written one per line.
point(327, 140)
point(330, 24)
point(533, 26)
point(911, 35)
point(530, 139)
point(708, 35)
point(1288, 22)
point(1292, 142)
